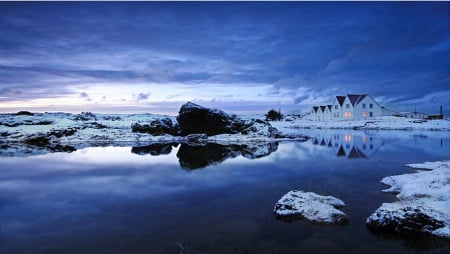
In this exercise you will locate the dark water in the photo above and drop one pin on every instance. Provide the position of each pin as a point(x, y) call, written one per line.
point(216, 199)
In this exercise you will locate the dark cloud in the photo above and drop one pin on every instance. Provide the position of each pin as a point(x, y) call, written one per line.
point(392, 50)
point(142, 96)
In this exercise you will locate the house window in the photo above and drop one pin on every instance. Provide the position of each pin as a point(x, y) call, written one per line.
point(370, 105)
point(347, 105)
point(371, 147)
point(364, 147)
point(370, 114)
point(337, 114)
point(364, 114)
point(335, 106)
point(348, 138)
point(348, 114)
point(364, 105)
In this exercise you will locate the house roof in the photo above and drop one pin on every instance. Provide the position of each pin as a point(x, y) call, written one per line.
point(340, 99)
point(356, 98)
point(329, 107)
point(356, 153)
point(315, 108)
point(323, 108)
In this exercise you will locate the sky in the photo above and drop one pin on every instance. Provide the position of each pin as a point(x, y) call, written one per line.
point(241, 57)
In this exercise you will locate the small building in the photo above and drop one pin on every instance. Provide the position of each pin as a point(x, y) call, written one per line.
point(416, 115)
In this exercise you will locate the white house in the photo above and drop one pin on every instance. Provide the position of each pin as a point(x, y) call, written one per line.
point(350, 107)
point(416, 115)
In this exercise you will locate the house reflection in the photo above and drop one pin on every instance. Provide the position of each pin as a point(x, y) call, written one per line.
point(348, 144)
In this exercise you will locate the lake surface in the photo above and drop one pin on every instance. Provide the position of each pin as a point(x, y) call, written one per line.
point(214, 199)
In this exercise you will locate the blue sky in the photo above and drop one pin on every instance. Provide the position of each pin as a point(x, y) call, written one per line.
point(238, 56)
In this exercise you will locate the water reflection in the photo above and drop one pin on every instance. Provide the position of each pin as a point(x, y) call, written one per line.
point(154, 149)
point(349, 145)
point(202, 155)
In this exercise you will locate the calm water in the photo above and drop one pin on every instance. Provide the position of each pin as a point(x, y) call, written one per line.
point(215, 199)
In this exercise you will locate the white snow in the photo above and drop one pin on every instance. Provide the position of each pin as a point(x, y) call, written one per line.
point(15, 129)
point(311, 206)
point(424, 193)
point(375, 123)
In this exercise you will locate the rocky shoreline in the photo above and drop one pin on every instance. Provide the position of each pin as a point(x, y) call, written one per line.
point(25, 133)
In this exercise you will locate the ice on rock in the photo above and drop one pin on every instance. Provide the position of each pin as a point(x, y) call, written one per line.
point(310, 206)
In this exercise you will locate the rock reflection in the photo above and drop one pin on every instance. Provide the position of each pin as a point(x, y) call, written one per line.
point(154, 149)
point(200, 156)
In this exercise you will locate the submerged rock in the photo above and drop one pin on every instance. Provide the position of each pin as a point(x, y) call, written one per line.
point(310, 206)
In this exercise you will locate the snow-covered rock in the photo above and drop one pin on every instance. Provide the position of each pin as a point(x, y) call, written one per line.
point(423, 204)
point(157, 127)
point(310, 206)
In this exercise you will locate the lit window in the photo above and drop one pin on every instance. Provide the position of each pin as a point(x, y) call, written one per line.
point(364, 139)
point(348, 138)
point(348, 114)
point(364, 114)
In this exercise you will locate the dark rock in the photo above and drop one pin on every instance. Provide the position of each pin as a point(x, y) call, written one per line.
point(157, 127)
point(194, 157)
point(24, 113)
point(62, 133)
point(96, 125)
point(85, 116)
point(197, 138)
point(202, 155)
point(405, 220)
point(194, 118)
point(62, 148)
point(38, 140)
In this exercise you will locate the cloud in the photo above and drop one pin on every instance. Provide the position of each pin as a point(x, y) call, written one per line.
point(142, 96)
point(304, 52)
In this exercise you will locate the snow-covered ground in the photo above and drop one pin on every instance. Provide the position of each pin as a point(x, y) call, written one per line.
point(22, 134)
point(423, 201)
point(291, 123)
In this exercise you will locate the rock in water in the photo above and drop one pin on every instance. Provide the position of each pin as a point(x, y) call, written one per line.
point(310, 206)
point(423, 204)
point(194, 118)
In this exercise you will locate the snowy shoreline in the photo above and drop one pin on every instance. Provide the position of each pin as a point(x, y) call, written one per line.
point(29, 133)
point(423, 204)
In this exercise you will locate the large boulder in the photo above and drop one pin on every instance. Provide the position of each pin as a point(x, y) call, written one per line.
point(310, 206)
point(194, 118)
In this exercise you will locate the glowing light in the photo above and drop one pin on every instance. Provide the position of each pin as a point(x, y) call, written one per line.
point(348, 138)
